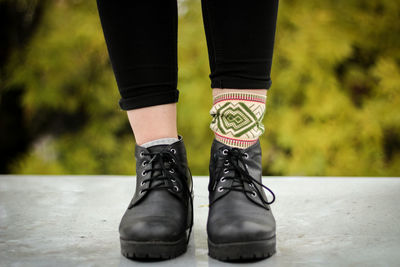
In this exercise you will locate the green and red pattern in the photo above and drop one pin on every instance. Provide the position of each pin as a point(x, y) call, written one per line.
point(237, 118)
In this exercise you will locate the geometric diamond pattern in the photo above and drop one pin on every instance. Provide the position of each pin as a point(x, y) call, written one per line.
point(237, 118)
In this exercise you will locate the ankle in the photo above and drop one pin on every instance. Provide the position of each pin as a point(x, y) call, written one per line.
point(152, 123)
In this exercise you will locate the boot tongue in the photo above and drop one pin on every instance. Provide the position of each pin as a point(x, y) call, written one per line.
point(238, 181)
point(157, 148)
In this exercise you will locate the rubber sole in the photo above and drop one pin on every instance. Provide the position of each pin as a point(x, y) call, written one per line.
point(242, 251)
point(154, 250)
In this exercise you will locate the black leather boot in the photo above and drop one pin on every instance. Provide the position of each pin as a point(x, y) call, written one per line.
point(159, 219)
point(240, 223)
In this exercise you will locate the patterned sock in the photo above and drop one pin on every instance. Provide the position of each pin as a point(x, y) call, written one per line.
point(237, 118)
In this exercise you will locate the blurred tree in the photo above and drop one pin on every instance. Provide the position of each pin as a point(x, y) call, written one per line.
point(70, 97)
point(19, 20)
point(334, 105)
point(332, 109)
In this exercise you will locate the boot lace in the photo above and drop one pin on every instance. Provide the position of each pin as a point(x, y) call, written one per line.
point(164, 165)
point(234, 160)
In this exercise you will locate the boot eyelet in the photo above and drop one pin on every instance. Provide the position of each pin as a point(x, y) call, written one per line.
point(144, 173)
point(251, 185)
point(141, 192)
point(142, 154)
point(220, 189)
point(144, 163)
point(254, 194)
point(246, 155)
point(173, 180)
point(171, 171)
point(226, 163)
point(173, 150)
point(226, 170)
point(176, 188)
point(225, 151)
point(143, 183)
point(222, 180)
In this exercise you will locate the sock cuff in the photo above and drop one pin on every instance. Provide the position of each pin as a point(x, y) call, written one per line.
point(240, 96)
point(235, 142)
point(161, 141)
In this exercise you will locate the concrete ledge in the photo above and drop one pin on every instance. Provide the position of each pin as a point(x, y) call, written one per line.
point(73, 221)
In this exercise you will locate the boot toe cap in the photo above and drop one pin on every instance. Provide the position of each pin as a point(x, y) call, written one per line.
point(243, 230)
point(152, 229)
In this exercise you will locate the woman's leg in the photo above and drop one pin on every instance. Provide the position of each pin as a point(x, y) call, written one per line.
point(240, 39)
point(141, 37)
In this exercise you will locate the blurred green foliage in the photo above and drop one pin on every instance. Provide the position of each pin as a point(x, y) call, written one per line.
point(333, 108)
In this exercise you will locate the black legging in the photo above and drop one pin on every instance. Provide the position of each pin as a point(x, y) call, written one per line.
point(141, 37)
